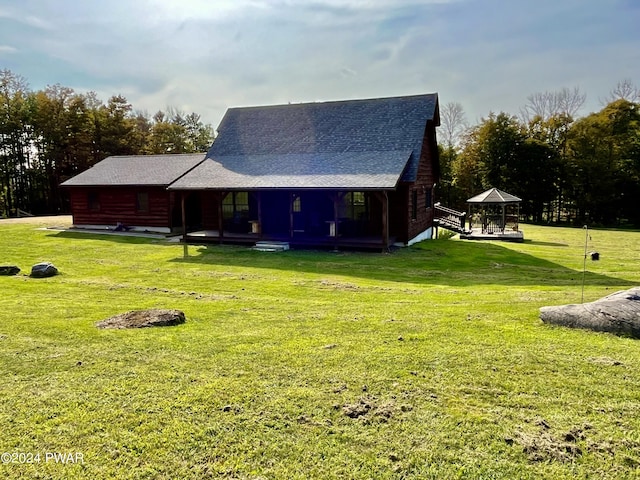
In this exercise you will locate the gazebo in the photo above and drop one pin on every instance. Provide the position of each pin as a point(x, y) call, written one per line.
point(494, 214)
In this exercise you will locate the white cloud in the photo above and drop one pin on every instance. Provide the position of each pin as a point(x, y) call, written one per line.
point(204, 56)
point(16, 15)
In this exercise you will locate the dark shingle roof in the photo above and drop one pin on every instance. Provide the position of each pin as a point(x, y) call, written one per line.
point(349, 144)
point(148, 170)
point(493, 195)
point(307, 170)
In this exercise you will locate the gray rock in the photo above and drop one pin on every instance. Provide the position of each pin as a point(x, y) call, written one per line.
point(9, 270)
point(42, 270)
point(617, 313)
point(144, 318)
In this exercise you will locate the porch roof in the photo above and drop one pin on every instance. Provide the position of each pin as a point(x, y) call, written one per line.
point(346, 170)
point(146, 170)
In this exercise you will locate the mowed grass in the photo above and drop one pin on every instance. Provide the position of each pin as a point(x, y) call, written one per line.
point(430, 362)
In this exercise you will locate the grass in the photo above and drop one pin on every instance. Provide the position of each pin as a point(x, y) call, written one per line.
point(430, 362)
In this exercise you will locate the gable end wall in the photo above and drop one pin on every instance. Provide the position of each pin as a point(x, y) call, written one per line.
point(426, 178)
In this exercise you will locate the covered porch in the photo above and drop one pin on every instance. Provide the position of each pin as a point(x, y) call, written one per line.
point(321, 218)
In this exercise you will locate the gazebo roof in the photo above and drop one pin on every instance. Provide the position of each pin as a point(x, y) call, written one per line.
point(494, 196)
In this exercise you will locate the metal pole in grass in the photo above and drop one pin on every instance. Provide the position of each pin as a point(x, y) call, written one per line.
point(584, 262)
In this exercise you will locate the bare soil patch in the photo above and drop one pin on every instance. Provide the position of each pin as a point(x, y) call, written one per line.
point(143, 319)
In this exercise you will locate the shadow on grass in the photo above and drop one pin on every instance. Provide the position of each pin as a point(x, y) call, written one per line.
point(435, 262)
point(116, 237)
point(439, 262)
point(545, 244)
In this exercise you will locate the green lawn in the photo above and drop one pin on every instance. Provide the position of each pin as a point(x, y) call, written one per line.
point(430, 362)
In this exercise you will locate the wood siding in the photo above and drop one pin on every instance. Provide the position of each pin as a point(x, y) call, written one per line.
point(119, 204)
point(426, 178)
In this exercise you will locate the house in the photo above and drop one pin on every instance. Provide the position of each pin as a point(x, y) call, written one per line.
point(357, 173)
point(132, 191)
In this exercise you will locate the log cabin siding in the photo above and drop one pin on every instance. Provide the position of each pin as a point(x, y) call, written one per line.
point(119, 204)
point(425, 181)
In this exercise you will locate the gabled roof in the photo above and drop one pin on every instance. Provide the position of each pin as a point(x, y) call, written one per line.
point(146, 170)
point(350, 144)
point(494, 195)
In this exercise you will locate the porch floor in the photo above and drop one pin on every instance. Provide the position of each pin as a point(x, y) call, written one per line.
point(300, 240)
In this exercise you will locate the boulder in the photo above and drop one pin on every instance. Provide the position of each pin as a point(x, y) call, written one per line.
point(9, 270)
point(617, 313)
point(42, 270)
point(144, 318)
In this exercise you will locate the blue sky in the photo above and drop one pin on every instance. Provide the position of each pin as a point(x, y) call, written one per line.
point(207, 55)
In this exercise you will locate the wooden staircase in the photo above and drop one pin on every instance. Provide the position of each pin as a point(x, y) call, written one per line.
point(450, 219)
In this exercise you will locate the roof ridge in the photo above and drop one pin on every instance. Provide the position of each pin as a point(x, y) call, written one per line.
point(325, 102)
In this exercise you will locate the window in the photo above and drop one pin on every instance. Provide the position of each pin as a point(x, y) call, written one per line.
point(355, 206)
point(428, 198)
point(414, 204)
point(235, 206)
point(142, 202)
point(297, 204)
point(93, 201)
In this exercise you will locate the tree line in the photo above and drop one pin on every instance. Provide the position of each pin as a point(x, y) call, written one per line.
point(567, 169)
point(50, 135)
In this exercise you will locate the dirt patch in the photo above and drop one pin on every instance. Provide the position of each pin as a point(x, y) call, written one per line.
point(607, 361)
point(368, 409)
point(143, 319)
point(544, 446)
point(339, 285)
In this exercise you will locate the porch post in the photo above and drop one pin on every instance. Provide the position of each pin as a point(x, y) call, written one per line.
point(220, 196)
point(335, 198)
point(259, 194)
point(185, 248)
point(385, 220)
point(292, 198)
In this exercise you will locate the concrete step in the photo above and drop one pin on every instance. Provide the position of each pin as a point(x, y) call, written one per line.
point(266, 246)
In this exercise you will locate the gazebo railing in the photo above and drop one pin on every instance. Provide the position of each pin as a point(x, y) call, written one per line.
point(495, 223)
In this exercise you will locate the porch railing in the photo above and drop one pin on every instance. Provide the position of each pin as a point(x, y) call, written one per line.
point(449, 218)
